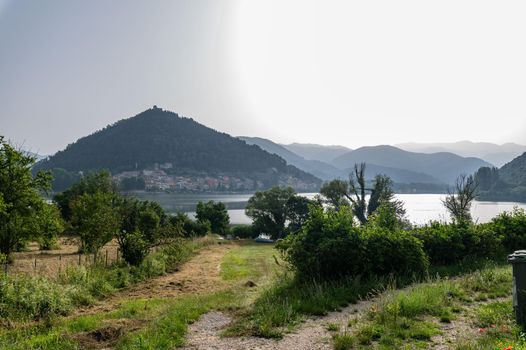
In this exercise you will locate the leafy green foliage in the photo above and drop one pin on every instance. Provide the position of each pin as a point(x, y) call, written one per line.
point(134, 248)
point(95, 219)
point(270, 210)
point(244, 231)
point(49, 226)
point(91, 183)
point(215, 213)
point(512, 227)
point(330, 246)
point(452, 243)
point(189, 227)
point(20, 197)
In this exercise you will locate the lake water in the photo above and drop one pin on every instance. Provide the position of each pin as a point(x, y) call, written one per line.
point(421, 208)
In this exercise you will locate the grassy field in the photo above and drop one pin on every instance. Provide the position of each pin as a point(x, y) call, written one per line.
point(152, 323)
point(469, 312)
point(249, 282)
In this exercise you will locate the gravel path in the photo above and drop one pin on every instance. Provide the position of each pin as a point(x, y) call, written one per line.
point(312, 334)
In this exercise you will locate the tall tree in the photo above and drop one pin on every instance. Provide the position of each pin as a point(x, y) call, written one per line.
point(95, 219)
point(20, 196)
point(215, 213)
point(268, 210)
point(335, 193)
point(458, 202)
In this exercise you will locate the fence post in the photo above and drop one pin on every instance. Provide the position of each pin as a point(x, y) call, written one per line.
point(5, 269)
point(59, 264)
point(35, 263)
point(80, 258)
point(106, 263)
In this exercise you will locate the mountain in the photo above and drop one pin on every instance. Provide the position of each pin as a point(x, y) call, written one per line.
point(322, 153)
point(326, 171)
point(318, 168)
point(443, 166)
point(509, 183)
point(492, 153)
point(167, 145)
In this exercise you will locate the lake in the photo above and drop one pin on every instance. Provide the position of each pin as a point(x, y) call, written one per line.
point(421, 208)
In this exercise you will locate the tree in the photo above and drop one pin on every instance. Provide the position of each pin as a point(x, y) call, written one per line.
point(338, 193)
point(268, 210)
point(335, 193)
point(215, 213)
point(95, 219)
point(49, 225)
point(458, 203)
point(20, 196)
point(91, 183)
point(298, 208)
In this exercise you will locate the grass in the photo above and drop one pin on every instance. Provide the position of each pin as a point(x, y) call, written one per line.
point(162, 323)
point(409, 318)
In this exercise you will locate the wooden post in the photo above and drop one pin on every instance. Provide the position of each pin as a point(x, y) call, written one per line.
point(59, 264)
point(35, 263)
point(106, 263)
point(80, 257)
point(5, 269)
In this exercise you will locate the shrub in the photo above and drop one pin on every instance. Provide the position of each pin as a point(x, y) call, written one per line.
point(244, 231)
point(512, 226)
point(451, 243)
point(394, 252)
point(328, 246)
point(134, 248)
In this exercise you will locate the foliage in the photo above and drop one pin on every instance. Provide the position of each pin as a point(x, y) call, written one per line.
point(215, 213)
point(91, 183)
point(334, 193)
point(20, 197)
point(49, 226)
point(244, 231)
point(394, 252)
point(95, 219)
point(452, 243)
point(486, 178)
point(297, 212)
point(330, 246)
point(338, 193)
point(512, 227)
point(63, 179)
point(188, 227)
point(132, 183)
point(459, 202)
point(268, 210)
point(134, 248)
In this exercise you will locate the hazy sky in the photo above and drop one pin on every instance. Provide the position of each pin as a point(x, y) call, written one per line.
point(331, 72)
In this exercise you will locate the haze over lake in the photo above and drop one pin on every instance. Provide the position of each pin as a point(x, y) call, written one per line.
point(421, 208)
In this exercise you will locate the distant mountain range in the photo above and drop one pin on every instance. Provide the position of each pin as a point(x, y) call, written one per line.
point(312, 151)
point(178, 152)
point(402, 166)
point(497, 155)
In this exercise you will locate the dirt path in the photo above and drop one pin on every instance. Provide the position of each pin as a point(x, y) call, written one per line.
point(200, 274)
point(312, 334)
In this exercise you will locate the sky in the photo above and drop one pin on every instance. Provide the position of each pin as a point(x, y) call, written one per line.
point(353, 73)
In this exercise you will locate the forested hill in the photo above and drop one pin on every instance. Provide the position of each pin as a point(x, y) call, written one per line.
point(505, 184)
point(156, 136)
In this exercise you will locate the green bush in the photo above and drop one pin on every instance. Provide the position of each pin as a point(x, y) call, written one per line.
point(328, 246)
point(512, 227)
point(447, 244)
point(134, 248)
point(394, 252)
point(244, 231)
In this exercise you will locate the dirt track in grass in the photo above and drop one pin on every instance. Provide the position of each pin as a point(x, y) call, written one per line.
point(201, 274)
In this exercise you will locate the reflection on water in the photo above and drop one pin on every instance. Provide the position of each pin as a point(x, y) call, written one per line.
point(421, 208)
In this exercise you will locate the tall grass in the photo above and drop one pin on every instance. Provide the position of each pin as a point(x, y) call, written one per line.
point(24, 298)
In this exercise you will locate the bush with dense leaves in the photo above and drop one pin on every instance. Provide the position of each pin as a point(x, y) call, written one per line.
point(244, 231)
point(512, 227)
point(451, 243)
point(134, 248)
point(393, 252)
point(330, 245)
